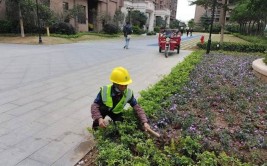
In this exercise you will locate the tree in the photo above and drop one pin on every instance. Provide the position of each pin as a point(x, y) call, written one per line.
point(159, 21)
point(191, 23)
point(14, 13)
point(24, 13)
point(175, 24)
point(208, 4)
point(251, 16)
point(205, 22)
point(138, 18)
point(118, 17)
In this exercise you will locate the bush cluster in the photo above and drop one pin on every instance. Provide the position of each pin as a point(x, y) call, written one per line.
point(151, 33)
point(5, 26)
point(229, 46)
point(110, 29)
point(137, 30)
point(62, 28)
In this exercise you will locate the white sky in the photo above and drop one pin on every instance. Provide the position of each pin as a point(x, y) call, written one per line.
point(184, 11)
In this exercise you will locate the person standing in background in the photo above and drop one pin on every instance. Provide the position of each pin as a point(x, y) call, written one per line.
point(187, 32)
point(127, 31)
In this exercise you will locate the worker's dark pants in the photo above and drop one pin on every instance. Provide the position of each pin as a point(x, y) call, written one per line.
point(114, 117)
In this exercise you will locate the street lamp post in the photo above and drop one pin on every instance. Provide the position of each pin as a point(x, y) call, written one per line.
point(211, 25)
point(38, 22)
point(129, 12)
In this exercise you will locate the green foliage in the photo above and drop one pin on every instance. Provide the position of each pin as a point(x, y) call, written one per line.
point(205, 22)
point(229, 46)
point(80, 34)
point(137, 18)
point(125, 144)
point(137, 30)
point(191, 23)
point(157, 29)
point(62, 28)
point(207, 159)
point(225, 160)
point(118, 17)
point(160, 22)
point(261, 40)
point(113, 154)
point(29, 17)
point(234, 28)
point(151, 33)
point(175, 24)
point(110, 29)
point(189, 147)
point(5, 26)
point(216, 28)
point(153, 98)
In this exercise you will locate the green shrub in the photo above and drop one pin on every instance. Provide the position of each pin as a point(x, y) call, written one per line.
point(110, 29)
point(151, 33)
point(234, 28)
point(229, 46)
point(5, 26)
point(62, 28)
point(137, 30)
point(157, 29)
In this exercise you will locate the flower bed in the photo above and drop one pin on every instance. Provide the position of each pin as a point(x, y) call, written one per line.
point(210, 114)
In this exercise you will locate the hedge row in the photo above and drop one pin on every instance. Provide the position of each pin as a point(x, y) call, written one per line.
point(230, 46)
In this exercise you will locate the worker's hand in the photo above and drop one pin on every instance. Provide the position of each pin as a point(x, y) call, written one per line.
point(146, 126)
point(101, 123)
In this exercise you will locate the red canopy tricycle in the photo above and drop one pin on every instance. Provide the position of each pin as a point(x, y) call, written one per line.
point(169, 40)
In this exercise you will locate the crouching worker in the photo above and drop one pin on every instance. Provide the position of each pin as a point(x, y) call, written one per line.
point(112, 98)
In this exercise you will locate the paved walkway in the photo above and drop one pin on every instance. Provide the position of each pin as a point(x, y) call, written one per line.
point(45, 97)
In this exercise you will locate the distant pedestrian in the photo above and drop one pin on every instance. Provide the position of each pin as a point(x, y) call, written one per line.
point(187, 32)
point(191, 31)
point(182, 31)
point(127, 31)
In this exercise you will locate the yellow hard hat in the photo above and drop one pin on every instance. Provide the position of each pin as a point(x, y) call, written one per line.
point(121, 76)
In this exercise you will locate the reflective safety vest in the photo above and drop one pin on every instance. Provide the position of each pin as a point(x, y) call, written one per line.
point(107, 98)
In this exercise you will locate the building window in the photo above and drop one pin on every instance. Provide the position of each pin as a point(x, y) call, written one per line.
point(82, 14)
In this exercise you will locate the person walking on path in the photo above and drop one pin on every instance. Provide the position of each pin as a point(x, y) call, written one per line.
point(127, 31)
point(191, 31)
point(187, 32)
point(112, 98)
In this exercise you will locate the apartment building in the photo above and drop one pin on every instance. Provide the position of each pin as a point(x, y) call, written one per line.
point(94, 10)
point(166, 9)
point(200, 11)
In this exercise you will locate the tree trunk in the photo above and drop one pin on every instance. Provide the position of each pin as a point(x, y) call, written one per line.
point(75, 17)
point(222, 20)
point(47, 31)
point(253, 25)
point(21, 22)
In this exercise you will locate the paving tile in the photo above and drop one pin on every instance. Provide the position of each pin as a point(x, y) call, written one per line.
point(12, 156)
point(50, 153)
point(28, 161)
point(5, 117)
point(37, 96)
point(26, 108)
point(6, 107)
